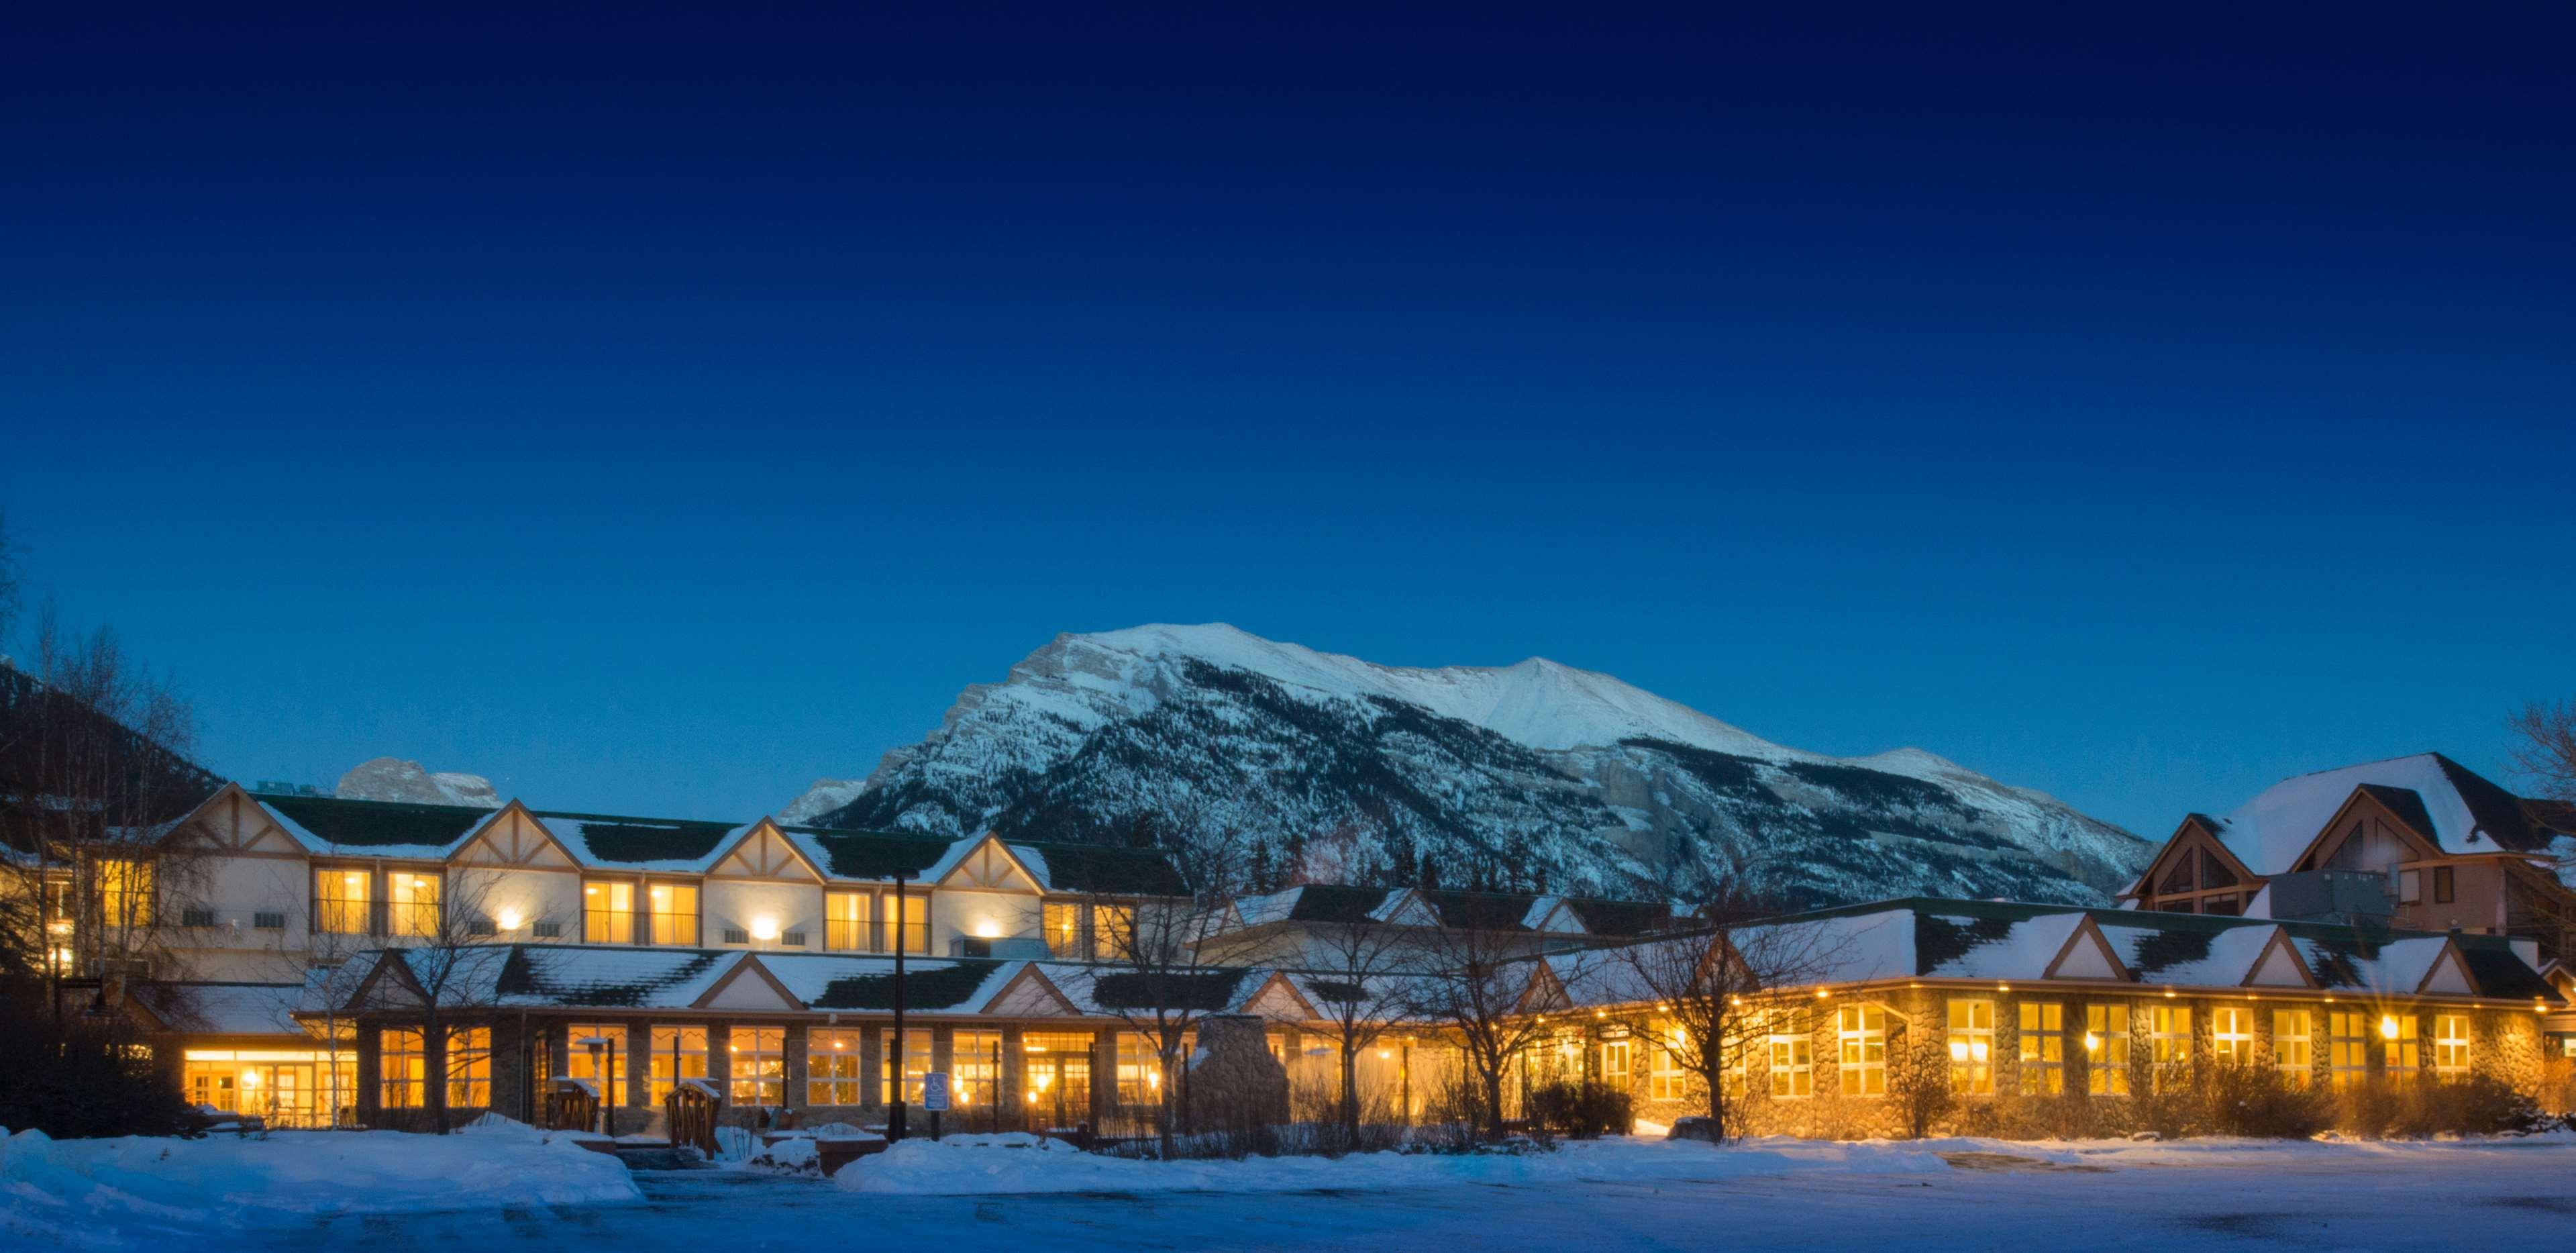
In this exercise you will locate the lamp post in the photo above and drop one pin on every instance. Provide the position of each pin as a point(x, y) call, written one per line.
point(894, 1108)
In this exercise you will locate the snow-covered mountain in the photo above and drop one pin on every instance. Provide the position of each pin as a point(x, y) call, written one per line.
point(393, 779)
point(1533, 776)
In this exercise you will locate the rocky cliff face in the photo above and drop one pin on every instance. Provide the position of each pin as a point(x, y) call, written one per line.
point(392, 779)
point(1533, 776)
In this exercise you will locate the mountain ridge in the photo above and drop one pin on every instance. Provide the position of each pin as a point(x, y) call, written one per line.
point(1535, 774)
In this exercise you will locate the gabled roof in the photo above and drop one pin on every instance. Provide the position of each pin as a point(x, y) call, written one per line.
point(2455, 807)
point(1920, 937)
point(872, 855)
point(674, 844)
point(380, 828)
point(1100, 869)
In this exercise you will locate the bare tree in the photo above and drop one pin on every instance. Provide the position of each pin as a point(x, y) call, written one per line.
point(1703, 997)
point(2547, 751)
point(1362, 976)
point(1148, 968)
point(447, 961)
point(1474, 983)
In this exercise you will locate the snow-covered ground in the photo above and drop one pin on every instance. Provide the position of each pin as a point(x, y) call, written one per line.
point(1611, 1195)
point(135, 1189)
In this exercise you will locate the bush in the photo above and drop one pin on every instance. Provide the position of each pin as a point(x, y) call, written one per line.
point(2245, 1099)
point(83, 1074)
point(1581, 1111)
point(2412, 1108)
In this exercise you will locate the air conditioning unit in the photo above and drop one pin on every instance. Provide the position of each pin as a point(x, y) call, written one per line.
point(792, 939)
point(196, 916)
point(736, 935)
point(481, 926)
point(549, 931)
point(268, 921)
point(1012, 947)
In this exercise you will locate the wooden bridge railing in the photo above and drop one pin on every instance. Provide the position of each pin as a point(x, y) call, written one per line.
point(691, 1112)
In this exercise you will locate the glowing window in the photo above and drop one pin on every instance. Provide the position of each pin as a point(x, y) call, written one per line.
point(846, 918)
point(675, 914)
point(832, 1068)
point(400, 1059)
point(1972, 1045)
point(412, 902)
point(2450, 1045)
point(2043, 1048)
point(2106, 1048)
point(2293, 1051)
point(759, 1065)
point(608, 912)
point(469, 1067)
point(1860, 1035)
point(341, 900)
point(677, 1053)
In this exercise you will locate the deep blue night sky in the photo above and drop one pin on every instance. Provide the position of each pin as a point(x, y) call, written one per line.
point(657, 412)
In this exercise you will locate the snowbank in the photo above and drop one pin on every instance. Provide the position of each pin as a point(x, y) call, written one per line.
point(1025, 1163)
point(52, 1187)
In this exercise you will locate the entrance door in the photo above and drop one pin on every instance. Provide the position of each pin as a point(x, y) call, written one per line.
point(1059, 1090)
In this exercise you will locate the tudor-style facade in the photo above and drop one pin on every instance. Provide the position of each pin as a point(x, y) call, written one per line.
point(282, 887)
point(2416, 842)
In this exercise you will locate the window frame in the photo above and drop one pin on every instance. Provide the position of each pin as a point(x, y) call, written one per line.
point(2048, 1063)
point(599, 923)
point(657, 891)
point(757, 1075)
point(2348, 1051)
point(413, 918)
point(855, 934)
point(832, 1066)
point(469, 1067)
point(667, 1058)
point(2294, 1046)
point(2168, 1040)
point(129, 892)
point(2451, 1052)
point(402, 1067)
point(2231, 1033)
point(1971, 1046)
point(1860, 1049)
point(2108, 1030)
point(332, 915)
point(578, 1061)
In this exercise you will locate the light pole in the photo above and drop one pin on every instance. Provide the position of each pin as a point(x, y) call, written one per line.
point(894, 1108)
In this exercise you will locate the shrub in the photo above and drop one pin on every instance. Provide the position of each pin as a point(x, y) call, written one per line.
point(2417, 1108)
point(2246, 1099)
point(1918, 1083)
point(1581, 1111)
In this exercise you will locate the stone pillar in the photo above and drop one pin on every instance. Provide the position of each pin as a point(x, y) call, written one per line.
point(720, 1060)
point(1104, 1076)
point(872, 1042)
point(639, 1080)
point(795, 1059)
point(433, 1075)
point(510, 1058)
point(1011, 1080)
point(370, 1077)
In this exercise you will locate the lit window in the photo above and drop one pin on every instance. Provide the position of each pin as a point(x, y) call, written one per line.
point(675, 913)
point(2168, 1042)
point(608, 912)
point(974, 1064)
point(1113, 932)
point(832, 1068)
point(414, 902)
point(2405, 1043)
point(678, 1053)
point(916, 1064)
point(759, 1065)
point(399, 1058)
point(1140, 1069)
point(2043, 1048)
point(1972, 1045)
point(1793, 1059)
point(2450, 1045)
point(2106, 1049)
point(1665, 1082)
point(469, 1067)
point(125, 893)
point(846, 916)
point(1064, 930)
point(2348, 1046)
point(1614, 1062)
point(1860, 1033)
point(340, 901)
point(915, 924)
point(2293, 1052)
point(605, 1069)
point(2231, 1034)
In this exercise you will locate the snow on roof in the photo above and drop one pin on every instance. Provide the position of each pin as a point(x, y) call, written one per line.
point(2186, 956)
point(227, 1008)
point(316, 843)
point(2268, 832)
point(609, 976)
point(647, 844)
point(2021, 951)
